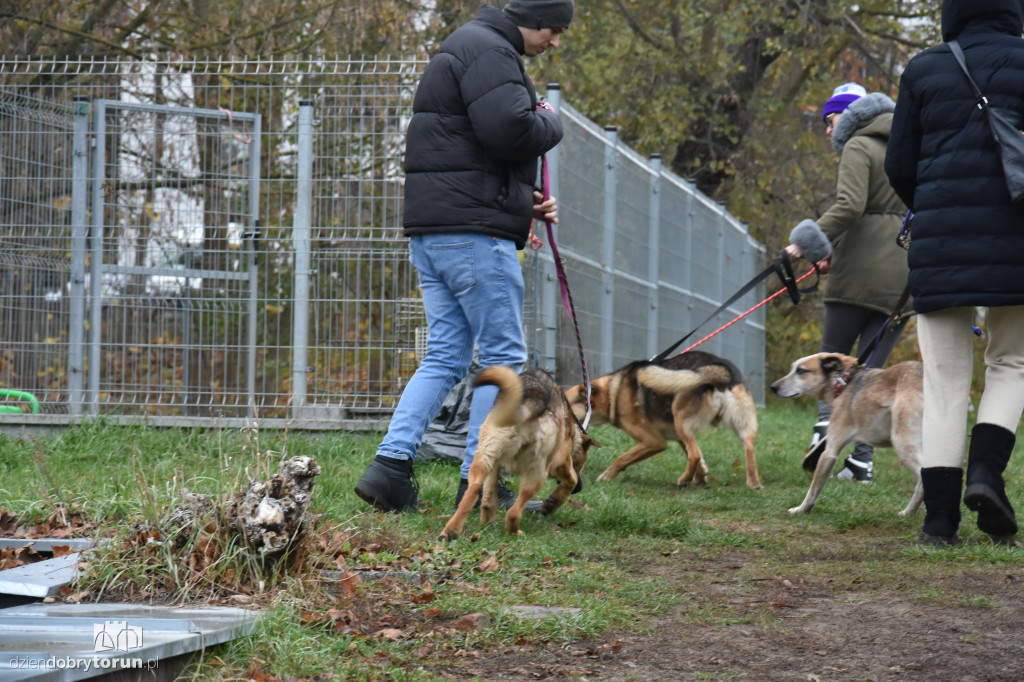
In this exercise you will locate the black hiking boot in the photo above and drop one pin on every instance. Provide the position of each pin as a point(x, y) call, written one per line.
point(942, 487)
point(389, 484)
point(989, 454)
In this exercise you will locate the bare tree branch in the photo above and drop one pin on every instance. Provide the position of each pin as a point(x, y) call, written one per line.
point(638, 28)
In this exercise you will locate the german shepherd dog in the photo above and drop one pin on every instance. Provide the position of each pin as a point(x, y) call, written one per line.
point(880, 407)
point(673, 399)
point(530, 431)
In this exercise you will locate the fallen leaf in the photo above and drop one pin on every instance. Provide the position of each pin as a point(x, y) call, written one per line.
point(347, 583)
point(422, 598)
point(472, 621)
point(390, 634)
point(255, 673)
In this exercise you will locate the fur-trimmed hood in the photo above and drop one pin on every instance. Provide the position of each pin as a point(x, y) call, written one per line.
point(861, 116)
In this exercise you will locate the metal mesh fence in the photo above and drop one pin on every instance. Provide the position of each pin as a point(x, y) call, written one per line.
point(187, 241)
point(649, 258)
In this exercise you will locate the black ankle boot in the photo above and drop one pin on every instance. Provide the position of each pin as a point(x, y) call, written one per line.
point(942, 487)
point(989, 454)
point(389, 484)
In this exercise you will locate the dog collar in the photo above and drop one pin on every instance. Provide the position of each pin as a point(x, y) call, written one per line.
point(844, 380)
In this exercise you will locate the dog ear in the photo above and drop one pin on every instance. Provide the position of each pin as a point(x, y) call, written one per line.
point(832, 364)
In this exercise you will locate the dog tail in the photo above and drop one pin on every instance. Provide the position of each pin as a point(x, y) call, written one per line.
point(671, 381)
point(510, 393)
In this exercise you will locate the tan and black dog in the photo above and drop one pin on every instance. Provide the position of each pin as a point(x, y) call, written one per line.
point(530, 431)
point(673, 399)
point(879, 407)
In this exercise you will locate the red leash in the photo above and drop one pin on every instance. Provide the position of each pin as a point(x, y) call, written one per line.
point(737, 319)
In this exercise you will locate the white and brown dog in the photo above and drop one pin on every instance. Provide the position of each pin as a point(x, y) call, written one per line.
point(531, 431)
point(879, 407)
point(673, 399)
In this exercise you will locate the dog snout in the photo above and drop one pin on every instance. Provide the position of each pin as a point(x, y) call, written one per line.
point(784, 388)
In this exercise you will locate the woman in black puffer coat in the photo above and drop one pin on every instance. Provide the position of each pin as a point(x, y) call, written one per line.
point(967, 250)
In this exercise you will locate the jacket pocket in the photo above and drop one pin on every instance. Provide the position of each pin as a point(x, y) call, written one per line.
point(503, 188)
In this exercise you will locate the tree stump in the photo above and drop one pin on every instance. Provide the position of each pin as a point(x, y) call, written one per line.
point(273, 516)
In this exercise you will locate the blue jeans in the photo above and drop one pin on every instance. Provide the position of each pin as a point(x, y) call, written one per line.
point(473, 296)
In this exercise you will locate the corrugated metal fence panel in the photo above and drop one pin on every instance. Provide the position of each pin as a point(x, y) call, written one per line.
point(704, 256)
point(675, 269)
point(633, 281)
point(633, 214)
point(581, 190)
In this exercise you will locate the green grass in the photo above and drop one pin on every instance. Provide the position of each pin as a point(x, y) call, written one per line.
point(618, 551)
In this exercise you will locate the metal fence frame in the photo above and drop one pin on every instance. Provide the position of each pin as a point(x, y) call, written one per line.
point(648, 256)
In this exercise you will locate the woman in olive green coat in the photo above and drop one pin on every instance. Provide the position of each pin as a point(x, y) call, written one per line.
point(867, 268)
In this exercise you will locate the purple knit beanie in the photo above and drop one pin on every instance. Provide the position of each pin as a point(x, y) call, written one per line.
point(841, 98)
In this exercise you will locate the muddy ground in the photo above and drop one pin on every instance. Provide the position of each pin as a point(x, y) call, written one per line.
point(801, 630)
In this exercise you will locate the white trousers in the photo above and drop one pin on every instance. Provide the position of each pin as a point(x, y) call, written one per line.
point(947, 349)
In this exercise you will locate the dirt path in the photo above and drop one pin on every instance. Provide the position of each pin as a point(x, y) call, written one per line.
point(800, 631)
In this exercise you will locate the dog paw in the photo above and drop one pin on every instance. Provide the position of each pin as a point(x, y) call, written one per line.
point(448, 536)
point(605, 477)
point(796, 510)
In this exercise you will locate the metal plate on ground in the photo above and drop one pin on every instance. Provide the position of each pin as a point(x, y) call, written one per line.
point(44, 642)
point(41, 579)
point(46, 544)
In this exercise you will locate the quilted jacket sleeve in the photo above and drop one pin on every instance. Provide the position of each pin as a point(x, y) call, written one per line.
point(501, 107)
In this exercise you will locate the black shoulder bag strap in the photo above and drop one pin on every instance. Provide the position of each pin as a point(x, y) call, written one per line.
point(958, 53)
point(1005, 126)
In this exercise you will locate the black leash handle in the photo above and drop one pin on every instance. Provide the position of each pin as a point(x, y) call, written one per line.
point(780, 266)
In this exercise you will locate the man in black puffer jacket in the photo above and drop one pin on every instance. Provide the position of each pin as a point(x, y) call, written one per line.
point(472, 151)
point(967, 250)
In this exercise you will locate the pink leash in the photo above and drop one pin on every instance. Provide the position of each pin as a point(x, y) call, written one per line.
point(563, 281)
point(742, 315)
